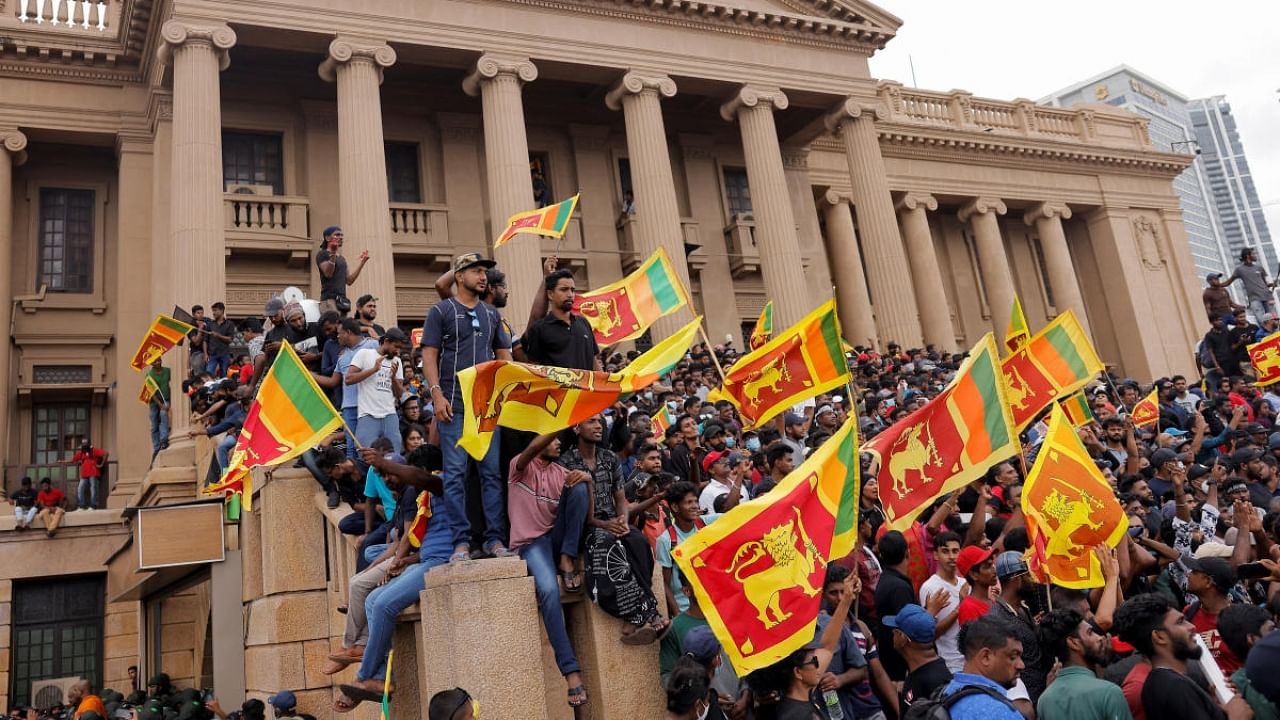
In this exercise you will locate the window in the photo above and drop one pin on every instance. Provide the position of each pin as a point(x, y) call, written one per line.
point(402, 172)
point(624, 175)
point(737, 192)
point(66, 240)
point(253, 159)
point(58, 430)
point(57, 632)
point(1038, 251)
point(540, 176)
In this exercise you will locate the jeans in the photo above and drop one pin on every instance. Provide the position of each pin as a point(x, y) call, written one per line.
point(492, 491)
point(223, 451)
point(382, 606)
point(1260, 307)
point(87, 493)
point(349, 418)
point(377, 536)
point(542, 558)
point(24, 516)
point(371, 552)
point(352, 523)
point(370, 428)
point(217, 365)
point(159, 427)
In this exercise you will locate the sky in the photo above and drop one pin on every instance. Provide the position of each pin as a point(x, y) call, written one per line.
point(1007, 49)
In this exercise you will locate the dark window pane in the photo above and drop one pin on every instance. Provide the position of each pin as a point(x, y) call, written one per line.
point(65, 248)
point(253, 159)
point(57, 430)
point(57, 630)
point(737, 191)
point(402, 172)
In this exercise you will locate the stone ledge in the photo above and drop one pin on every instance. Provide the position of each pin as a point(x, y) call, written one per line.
point(475, 571)
point(73, 519)
point(288, 617)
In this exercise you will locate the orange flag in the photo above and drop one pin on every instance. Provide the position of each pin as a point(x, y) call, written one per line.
point(1265, 358)
point(1069, 508)
point(1147, 411)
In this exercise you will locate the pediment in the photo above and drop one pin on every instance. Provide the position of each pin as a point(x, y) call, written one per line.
point(854, 12)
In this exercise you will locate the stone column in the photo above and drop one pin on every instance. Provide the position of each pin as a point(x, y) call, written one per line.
point(983, 215)
point(497, 79)
point(197, 53)
point(817, 275)
point(896, 314)
point(12, 154)
point(1047, 219)
point(356, 65)
point(597, 209)
point(775, 233)
point(931, 299)
point(853, 304)
point(657, 225)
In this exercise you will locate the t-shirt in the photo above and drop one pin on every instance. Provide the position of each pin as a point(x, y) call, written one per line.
point(52, 497)
point(533, 497)
point(212, 345)
point(892, 593)
point(374, 394)
point(332, 287)
point(549, 341)
point(713, 490)
point(1206, 624)
point(673, 643)
point(161, 377)
point(663, 554)
point(350, 393)
point(864, 701)
point(606, 478)
point(922, 681)
point(376, 486)
point(971, 608)
point(1170, 694)
point(788, 709)
point(328, 364)
point(465, 337)
point(1254, 279)
point(948, 642)
point(89, 462)
point(24, 497)
point(848, 654)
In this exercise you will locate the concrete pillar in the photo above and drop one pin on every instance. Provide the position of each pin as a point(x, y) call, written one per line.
point(12, 153)
point(853, 304)
point(595, 176)
point(931, 298)
point(706, 206)
point(356, 65)
point(1047, 219)
point(775, 232)
point(817, 274)
point(497, 79)
point(983, 216)
point(657, 212)
point(464, 183)
point(197, 53)
point(896, 314)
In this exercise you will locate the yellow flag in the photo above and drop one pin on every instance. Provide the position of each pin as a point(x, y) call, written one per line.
point(1018, 333)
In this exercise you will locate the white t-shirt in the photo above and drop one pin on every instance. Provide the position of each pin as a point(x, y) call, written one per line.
point(373, 394)
point(713, 490)
point(949, 641)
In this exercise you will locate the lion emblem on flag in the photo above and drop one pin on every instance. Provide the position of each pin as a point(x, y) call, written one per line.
point(795, 558)
point(602, 315)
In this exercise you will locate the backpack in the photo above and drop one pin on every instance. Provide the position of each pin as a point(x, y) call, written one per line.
point(938, 707)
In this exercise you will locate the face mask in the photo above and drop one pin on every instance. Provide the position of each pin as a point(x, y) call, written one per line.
point(648, 395)
point(753, 444)
point(730, 442)
point(672, 405)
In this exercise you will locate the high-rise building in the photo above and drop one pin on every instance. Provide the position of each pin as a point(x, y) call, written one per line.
point(1170, 129)
point(1243, 222)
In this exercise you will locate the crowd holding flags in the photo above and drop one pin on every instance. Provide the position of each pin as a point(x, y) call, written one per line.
point(625, 309)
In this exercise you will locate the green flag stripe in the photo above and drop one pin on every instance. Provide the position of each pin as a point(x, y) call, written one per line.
point(663, 286)
point(295, 382)
point(834, 345)
point(1066, 347)
point(985, 378)
point(848, 512)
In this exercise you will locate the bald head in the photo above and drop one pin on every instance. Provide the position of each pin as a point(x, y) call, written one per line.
point(80, 689)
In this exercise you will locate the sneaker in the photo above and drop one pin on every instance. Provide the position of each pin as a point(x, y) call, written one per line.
point(333, 500)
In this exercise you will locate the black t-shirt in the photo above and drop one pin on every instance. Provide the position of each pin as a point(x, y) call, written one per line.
point(24, 497)
point(893, 591)
point(552, 342)
point(1170, 694)
point(332, 287)
point(788, 709)
point(922, 681)
point(212, 345)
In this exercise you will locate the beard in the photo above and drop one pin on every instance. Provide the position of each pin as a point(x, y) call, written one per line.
point(1010, 684)
point(499, 301)
point(1187, 650)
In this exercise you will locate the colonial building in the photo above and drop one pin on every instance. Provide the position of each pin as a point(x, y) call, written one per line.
point(162, 152)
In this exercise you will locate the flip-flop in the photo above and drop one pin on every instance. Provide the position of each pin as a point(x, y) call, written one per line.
point(568, 575)
point(346, 658)
point(661, 630)
point(643, 635)
point(340, 706)
point(460, 556)
point(359, 694)
point(578, 696)
point(498, 550)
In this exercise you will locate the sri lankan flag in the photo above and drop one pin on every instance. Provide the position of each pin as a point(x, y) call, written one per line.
point(149, 389)
point(164, 333)
point(804, 360)
point(660, 421)
point(418, 529)
point(543, 399)
point(552, 220)
point(1147, 411)
point(1058, 361)
point(1018, 333)
point(625, 309)
point(236, 485)
point(949, 442)
point(758, 570)
point(1077, 409)
point(763, 330)
point(1265, 358)
point(290, 415)
point(1069, 508)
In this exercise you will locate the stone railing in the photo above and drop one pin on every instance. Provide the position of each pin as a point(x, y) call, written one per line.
point(69, 14)
point(419, 225)
point(689, 235)
point(281, 216)
point(960, 110)
point(740, 241)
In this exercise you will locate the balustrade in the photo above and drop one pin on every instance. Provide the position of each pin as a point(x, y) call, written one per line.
point(740, 239)
point(419, 224)
point(70, 14)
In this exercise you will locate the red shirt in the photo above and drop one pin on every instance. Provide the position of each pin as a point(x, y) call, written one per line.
point(971, 608)
point(53, 498)
point(1132, 687)
point(89, 462)
point(1207, 625)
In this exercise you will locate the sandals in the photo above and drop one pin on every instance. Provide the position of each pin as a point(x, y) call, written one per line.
point(498, 550)
point(642, 635)
point(567, 577)
point(460, 554)
point(578, 696)
point(359, 694)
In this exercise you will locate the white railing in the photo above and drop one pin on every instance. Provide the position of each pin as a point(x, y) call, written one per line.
point(71, 14)
point(279, 215)
point(419, 224)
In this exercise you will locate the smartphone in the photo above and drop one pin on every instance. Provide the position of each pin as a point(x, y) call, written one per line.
point(1252, 571)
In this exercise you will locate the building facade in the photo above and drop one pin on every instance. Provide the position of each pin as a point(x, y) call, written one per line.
point(1244, 224)
point(174, 152)
point(1170, 126)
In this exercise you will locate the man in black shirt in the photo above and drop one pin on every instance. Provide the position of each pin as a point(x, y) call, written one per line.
point(559, 337)
point(1017, 589)
point(25, 500)
point(1218, 343)
point(219, 333)
point(366, 313)
point(913, 638)
point(893, 593)
point(334, 277)
point(195, 340)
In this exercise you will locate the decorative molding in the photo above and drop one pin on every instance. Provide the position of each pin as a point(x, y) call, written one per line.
point(851, 109)
point(589, 138)
point(344, 50)
point(14, 142)
point(635, 83)
point(982, 206)
point(751, 96)
point(492, 65)
point(176, 33)
point(795, 158)
point(1046, 211)
point(912, 200)
point(697, 147)
point(832, 198)
point(1146, 235)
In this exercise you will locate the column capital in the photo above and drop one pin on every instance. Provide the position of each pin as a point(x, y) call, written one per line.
point(345, 49)
point(750, 96)
point(982, 206)
point(911, 200)
point(832, 198)
point(634, 83)
point(795, 158)
point(492, 65)
point(176, 33)
point(852, 109)
point(1046, 211)
point(14, 141)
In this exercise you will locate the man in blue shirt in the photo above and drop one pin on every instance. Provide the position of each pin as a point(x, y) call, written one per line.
point(459, 333)
point(992, 661)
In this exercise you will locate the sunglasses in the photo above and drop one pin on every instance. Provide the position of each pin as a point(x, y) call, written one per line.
point(475, 321)
point(811, 662)
point(466, 698)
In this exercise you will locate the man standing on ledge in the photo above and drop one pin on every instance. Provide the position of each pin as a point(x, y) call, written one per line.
point(334, 278)
point(458, 333)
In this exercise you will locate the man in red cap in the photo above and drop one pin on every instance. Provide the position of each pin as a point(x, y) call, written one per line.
point(975, 565)
point(725, 486)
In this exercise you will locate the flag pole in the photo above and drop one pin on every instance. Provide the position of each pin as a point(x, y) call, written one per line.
point(711, 351)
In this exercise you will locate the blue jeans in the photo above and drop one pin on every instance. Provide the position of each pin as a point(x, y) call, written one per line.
point(542, 557)
point(455, 489)
point(217, 365)
point(377, 536)
point(382, 606)
point(352, 523)
point(159, 427)
point(223, 451)
point(370, 428)
point(371, 552)
point(87, 493)
point(349, 419)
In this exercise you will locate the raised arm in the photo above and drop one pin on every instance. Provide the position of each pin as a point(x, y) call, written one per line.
point(538, 310)
point(408, 474)
point(444, 285)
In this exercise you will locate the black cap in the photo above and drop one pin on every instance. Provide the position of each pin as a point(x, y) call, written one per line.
point(394, 334)
point(1162, 456)
point(1218, 570)
point(1245, 455)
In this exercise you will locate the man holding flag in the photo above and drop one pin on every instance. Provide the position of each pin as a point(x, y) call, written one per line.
point(158, 404)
